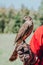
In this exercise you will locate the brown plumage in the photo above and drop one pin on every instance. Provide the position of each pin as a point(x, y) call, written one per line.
point(23, 33)
point(25, 30)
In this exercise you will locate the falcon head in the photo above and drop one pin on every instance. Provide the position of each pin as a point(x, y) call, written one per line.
point(27, 18)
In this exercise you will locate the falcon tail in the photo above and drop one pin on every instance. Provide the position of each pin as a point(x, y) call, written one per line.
point(13, 56)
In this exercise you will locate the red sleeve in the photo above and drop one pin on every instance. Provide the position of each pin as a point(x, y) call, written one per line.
point(37, 40)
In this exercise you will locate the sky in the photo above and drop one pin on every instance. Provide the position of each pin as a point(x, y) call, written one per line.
point(30, 4)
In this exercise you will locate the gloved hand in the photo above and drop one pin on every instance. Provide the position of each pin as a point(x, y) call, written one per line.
point(24, 52)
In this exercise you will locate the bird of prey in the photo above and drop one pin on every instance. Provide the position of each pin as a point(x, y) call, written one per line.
point(23, 33)
point(25, 30)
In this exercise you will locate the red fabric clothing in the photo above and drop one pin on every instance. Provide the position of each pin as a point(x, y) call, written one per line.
point(36, 44)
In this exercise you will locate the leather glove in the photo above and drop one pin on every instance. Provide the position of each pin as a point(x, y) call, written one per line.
point(24, 52)
point(26, 55)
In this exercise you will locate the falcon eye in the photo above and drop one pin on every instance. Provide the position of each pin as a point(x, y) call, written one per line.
point(26, 17)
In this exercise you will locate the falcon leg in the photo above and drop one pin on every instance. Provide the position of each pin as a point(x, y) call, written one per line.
point(24, 41)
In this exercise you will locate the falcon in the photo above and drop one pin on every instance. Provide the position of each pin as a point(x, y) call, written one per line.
point(23, 33)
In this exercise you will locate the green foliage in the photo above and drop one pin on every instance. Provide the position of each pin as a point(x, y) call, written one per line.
point(41, 12)
point(36, 24)
point(2, 25)
point(11, 20)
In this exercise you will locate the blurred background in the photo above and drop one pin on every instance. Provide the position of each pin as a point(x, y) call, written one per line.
point(11, 19)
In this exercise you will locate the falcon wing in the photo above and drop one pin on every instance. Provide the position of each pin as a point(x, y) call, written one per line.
point(22, 30)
